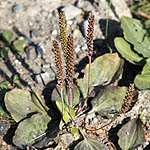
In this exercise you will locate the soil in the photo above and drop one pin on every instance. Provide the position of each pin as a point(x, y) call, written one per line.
point(38, 23)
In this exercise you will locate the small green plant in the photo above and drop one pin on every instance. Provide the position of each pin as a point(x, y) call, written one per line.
point(6, 44)
point(135, 48)
point(36, 124)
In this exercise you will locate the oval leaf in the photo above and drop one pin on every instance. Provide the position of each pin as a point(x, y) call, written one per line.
point(75, 95)
point(29, 130)
point(104, 70)
point(132, 29)
point(90, 144)
point(19, 104)
point(135, 33)
point(4, 52)
point(142, 81)
point(109, 100)
point(7, 35)
point(18, 45)
point(131, 135)
point(126, 52)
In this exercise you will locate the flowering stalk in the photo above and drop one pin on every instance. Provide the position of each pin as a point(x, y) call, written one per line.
point(63, 36)
point(70, 70)
point(90, 37)
point(59, 70)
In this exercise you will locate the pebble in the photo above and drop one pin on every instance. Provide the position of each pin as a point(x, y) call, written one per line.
point(31, 53)
point(84, 27)
point(66, 139)
point(17, 62)
point(43, 78)
point(46, 65)
point(77, 34)
point(34, 33)
point(69, 22)
point(40, 49)
point(16, 8)
point(54, 32)
point(71, 11)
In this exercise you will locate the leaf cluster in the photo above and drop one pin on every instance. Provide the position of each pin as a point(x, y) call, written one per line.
point(135, 48)
point(7, 43)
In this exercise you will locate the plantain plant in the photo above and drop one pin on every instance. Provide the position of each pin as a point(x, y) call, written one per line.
point(36, 126)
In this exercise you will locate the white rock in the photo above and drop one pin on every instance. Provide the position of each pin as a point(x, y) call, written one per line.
point(71, 11)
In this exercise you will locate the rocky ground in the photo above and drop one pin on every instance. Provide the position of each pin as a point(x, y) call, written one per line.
point(37, 22)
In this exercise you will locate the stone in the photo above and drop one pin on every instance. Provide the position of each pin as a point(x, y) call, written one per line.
point(40, 49)
point(71, 11)
point(31, 53)
point(43, 78)
point(66, 139)
point(84, 27)
point(16, 8)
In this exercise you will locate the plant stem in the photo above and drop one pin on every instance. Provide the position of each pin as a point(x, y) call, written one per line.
point(107, 22)
point(106, 32)
point(62, 100)
point(70, 101)
point(88, 92)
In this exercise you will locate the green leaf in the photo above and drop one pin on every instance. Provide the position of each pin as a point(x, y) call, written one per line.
point(16, 77)
point(18, 45)
point(131, 135)
point(66, 115)
point(125, 50)
point(90, 144)
point(39, 102)
point(142, 81)
point(7, 35)
point(29, 130)
point(4, 52)
point(109, 100)
point(2, 44)
point(146, 68)
point(75, 95)
point(135, 33)
point(104, 70)
point(19, 104)
point(4, 84)
point(74, 130)
point(133, 29)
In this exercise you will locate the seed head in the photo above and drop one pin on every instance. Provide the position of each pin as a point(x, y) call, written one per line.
point(90, 34)
point(63, 36)
point(59, 65)
point(70, 61)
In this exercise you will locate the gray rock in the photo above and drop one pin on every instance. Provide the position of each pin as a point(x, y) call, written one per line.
point(66, 139)
point(43, 78)
point(34, 33)
point(31, 54)
point(71, 11)
point(16, 8)
point(40, 49)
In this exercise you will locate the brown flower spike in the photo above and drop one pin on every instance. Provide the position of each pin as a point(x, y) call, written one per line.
point(90, 34)
point(59, 67)
point(63, 36)
point(128, 99)
point(70, 62)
